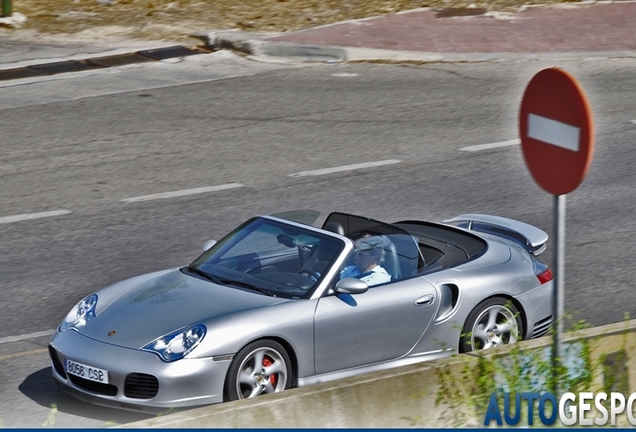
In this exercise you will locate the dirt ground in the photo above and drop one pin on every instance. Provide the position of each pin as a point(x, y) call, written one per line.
point(177, 20)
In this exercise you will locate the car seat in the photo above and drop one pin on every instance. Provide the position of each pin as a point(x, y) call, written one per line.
point(391, 262)
point(335, 227)
point(320, 257)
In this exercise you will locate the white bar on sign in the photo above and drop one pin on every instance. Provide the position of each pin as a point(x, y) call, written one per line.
point(553, 132)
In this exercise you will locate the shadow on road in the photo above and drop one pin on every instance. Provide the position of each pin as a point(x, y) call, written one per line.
point(40, 388)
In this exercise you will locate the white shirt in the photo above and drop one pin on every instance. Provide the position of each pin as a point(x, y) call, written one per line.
point(374, 276)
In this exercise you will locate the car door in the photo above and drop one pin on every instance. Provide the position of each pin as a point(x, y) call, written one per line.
point(381, 324)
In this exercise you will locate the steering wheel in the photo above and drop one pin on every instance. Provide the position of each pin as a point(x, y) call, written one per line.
point(310, 274)
point(303, 252)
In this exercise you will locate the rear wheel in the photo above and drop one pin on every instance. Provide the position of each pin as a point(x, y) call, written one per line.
point(261, 367)
point(492, 323)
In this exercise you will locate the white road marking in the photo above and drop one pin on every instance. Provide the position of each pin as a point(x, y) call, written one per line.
point(491, 145)
point(352, 167)
point(553, 132)
point(344, 74)
point(24, 353)
point(183, 192)
point(26, 336)
point(28, 216)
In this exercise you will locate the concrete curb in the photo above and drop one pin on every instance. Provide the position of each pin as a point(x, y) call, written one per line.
point(256, 46)
point(250, 44)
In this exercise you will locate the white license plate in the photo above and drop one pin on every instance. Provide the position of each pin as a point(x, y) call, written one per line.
point(87, 372)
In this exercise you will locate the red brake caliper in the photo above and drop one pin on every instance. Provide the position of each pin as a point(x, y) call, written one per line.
point(268, 362)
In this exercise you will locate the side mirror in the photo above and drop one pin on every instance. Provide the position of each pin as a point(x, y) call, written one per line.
point(351, 286)
point(208, 244)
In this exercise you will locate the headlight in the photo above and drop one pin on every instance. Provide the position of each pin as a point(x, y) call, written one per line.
point(82, 312)
point(176, 345)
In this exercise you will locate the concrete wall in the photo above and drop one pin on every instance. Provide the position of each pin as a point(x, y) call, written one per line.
point(401, 397)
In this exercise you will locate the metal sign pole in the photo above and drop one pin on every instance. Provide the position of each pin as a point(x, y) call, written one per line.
point(559, 286)
point(6, 8)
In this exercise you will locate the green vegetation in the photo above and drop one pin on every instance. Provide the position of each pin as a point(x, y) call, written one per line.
point(518, 369)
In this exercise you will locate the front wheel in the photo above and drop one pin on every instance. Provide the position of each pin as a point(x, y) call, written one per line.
point(261, 367)
point(492, 323)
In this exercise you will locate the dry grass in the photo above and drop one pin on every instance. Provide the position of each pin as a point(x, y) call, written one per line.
point(176, 20)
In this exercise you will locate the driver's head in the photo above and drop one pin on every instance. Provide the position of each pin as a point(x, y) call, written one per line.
point(369, 251)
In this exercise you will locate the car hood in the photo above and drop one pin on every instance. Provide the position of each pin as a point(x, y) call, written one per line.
point(165, 303)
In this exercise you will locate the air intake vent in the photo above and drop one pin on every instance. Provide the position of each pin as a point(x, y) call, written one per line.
point(57, 364)
point(542, 327)
point(141, 386)
point(93, 387)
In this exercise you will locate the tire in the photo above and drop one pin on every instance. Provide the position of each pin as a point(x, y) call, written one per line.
point(494, 322)
point(244, 380)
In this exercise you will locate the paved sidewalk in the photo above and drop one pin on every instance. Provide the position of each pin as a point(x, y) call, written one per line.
point(595, 27)
point(582, 29)
point(573, 30)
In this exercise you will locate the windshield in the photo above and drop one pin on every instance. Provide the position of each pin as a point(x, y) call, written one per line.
point(271, 257)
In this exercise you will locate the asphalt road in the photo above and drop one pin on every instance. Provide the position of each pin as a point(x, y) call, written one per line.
point(87, 144)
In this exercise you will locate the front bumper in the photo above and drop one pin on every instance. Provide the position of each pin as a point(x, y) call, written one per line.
point(137, 380)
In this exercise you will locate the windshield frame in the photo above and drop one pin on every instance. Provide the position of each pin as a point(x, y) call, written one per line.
point(213, 261)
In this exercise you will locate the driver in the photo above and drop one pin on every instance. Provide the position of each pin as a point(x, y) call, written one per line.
point(369, 254)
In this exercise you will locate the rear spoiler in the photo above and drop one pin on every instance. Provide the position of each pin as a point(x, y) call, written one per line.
point(531, 238)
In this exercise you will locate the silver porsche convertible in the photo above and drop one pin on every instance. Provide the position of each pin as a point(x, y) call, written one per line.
point(265, 309)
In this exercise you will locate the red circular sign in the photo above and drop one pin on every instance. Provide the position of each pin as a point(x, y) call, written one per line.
point(557, 131)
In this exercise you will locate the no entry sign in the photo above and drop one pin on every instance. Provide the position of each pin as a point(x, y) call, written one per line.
point(557, 139)
point(557, 132)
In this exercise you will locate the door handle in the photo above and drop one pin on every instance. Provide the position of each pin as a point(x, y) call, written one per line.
point(424, 300)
